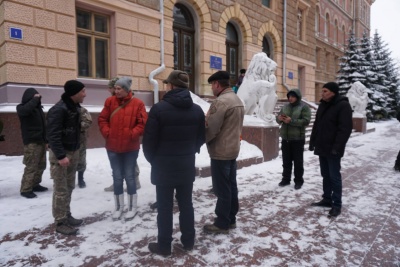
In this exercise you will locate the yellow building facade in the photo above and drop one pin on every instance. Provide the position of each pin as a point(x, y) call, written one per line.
point(95, 40)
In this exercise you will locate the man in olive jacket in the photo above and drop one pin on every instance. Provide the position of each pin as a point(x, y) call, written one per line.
point(224, 122)
point(330, 133)
point(293, 117)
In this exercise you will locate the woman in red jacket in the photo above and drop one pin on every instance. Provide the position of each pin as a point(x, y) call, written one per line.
point(121, 123)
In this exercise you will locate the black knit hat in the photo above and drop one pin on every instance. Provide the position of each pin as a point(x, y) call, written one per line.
point(218, 76)
point(178, 78)
point(72, 87)
point(291, 93)
point(332, 86)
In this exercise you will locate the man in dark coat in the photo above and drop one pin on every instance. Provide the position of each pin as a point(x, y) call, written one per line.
point(63, 134)
point(397, 162)
point(33, 130)
point(174, 133)
point(330, 133)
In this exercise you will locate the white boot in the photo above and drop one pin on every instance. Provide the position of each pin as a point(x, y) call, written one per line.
point(119, 207)
point(132, 207)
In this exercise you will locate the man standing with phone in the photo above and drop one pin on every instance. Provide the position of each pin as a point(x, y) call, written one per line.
point(293, 118)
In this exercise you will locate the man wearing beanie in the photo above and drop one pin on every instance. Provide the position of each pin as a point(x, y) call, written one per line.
point(63, 135)
point(293, 118)
point(174, 133)
point(331, 130)
point(224, 122)
point(121, 122)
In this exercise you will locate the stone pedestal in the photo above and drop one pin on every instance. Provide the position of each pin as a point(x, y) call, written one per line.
point(13, 146)
point(265, 138)
point(360, 124)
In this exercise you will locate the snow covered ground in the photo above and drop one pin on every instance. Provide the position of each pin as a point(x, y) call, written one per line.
point(276, 226)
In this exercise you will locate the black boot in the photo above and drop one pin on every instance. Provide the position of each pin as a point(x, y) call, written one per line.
point(81, 182)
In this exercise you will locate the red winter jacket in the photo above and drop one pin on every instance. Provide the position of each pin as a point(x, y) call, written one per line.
point(123, 130)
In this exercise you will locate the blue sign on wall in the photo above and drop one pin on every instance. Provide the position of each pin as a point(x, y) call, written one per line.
point(290, 75)
point(15, 33)
point(215, 62)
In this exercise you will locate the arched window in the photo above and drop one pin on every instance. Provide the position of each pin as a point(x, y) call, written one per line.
point(317, 15)
point(327, 26)
point(184, 31)
point(232, 47)
point(344, 35)
point(351, 7)
point(267, 46)
point(336, 32)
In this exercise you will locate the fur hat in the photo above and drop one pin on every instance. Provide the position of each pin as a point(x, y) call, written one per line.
point(72, 87)
point(112, 82)
point(332, 86)
point(218, 76)
point(125, 83)
point(178, 78)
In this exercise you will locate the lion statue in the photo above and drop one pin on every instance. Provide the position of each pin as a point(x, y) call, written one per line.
point(358, 98)
point(258, 89)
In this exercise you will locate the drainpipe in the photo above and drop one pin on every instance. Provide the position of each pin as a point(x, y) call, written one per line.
point(162, 66)
point(284, 45)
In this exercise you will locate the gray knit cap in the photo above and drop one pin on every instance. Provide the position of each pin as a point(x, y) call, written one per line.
point(125, 83)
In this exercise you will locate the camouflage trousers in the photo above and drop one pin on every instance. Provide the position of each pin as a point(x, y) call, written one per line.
point(82, 154)
point(35, 164)
point(64, 184)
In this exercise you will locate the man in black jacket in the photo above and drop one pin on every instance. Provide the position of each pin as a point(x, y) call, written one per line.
point(63, 134)
point(33, 130)
point(397, 162)
point(331, 130)
point(174, 132)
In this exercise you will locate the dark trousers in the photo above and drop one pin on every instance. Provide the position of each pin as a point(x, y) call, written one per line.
point(332, 180)
point(397, 163)
point(165, 202)
point(223, 174)
point(292, 154)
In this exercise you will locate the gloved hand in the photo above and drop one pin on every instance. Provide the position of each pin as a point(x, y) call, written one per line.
point(311, 147)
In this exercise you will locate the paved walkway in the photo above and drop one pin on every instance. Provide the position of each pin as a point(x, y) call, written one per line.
point(276, 226)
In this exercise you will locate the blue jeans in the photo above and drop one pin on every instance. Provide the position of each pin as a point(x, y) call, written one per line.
point(123, 167)
point(332, 180)
point(165, 202)
point(223, 174)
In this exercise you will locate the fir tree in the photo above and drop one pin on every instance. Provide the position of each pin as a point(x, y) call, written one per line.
point(351, 66)
point(367, 70)
point(381, 96)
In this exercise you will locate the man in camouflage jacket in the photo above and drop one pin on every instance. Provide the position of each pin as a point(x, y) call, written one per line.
point(33, 130)
point(63, 134)
point(86, 122)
